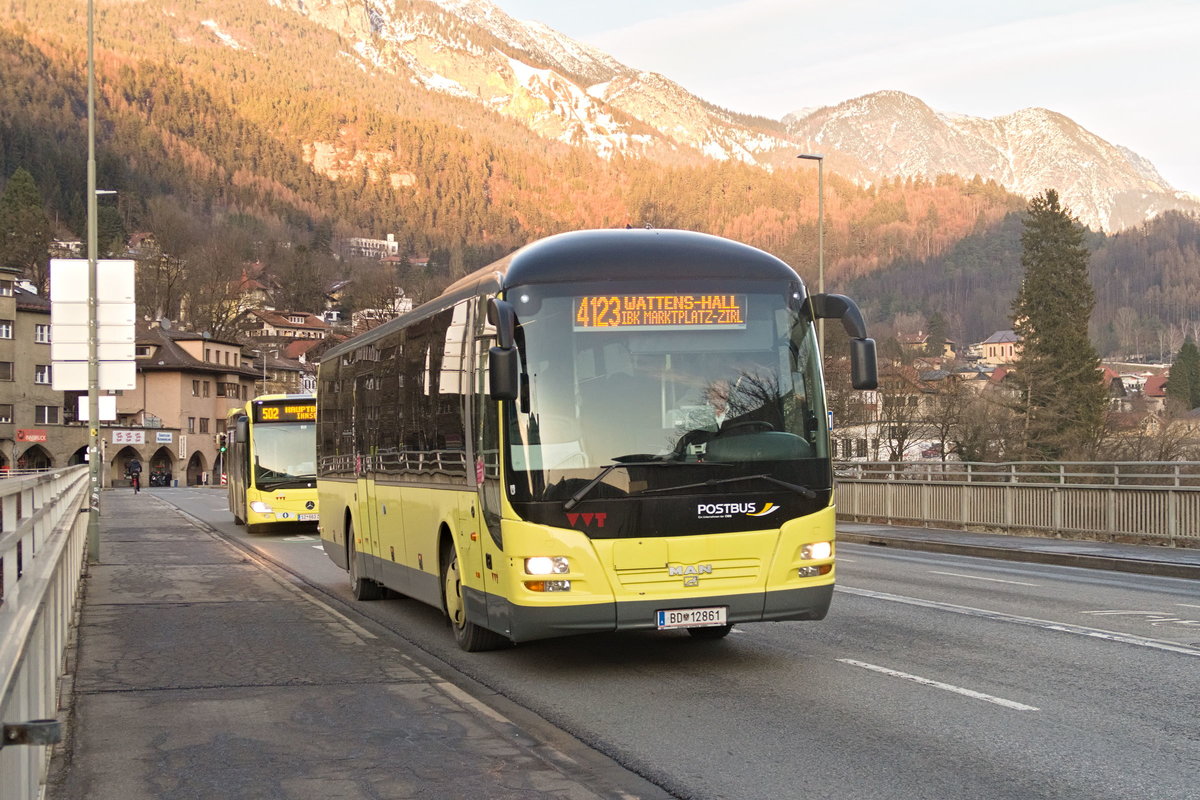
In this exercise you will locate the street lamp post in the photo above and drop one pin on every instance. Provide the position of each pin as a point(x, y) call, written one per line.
point(262, 353)
point(820, 159)
point(93, 525)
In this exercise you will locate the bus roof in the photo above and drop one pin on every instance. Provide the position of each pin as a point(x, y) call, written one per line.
point(591, 255)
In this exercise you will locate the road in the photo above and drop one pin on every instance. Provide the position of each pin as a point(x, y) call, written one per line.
point(934, 676)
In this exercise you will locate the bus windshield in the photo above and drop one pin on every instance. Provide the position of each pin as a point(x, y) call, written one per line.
point(284, 454)
point(725, 382)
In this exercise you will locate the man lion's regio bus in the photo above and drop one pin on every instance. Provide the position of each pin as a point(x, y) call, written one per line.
point(606, 430)
point(271, 460)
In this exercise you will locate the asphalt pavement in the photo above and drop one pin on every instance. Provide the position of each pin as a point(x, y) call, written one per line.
point(201, 670)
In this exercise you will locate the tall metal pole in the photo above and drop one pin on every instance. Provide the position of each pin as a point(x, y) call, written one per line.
point(820, 159)
point(93, 527)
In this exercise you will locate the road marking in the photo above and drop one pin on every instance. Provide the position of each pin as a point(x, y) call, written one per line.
point(980, 578)
point(1060, 627)
point(1155, 618)
point(949, 687)
point(1188, 605)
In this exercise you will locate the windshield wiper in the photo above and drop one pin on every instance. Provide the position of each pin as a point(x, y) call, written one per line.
point(594, 482)
point(803, 491)
point(289, 482)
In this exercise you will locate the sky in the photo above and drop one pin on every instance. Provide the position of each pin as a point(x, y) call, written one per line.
point(1129, 72)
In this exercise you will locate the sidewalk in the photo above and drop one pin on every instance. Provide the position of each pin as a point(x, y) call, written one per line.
point(201, 672)
point(1172, 562)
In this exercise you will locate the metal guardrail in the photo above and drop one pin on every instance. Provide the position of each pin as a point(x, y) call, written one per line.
point(1157, 501)
point(43, 540)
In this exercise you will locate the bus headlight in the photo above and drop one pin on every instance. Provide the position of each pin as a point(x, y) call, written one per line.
point(816, 551)
point(547, 565)
point(259, 507)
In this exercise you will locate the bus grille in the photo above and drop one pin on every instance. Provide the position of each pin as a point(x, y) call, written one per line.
point(728, 572)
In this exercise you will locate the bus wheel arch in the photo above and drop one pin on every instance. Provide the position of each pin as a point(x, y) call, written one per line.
point(470, 637)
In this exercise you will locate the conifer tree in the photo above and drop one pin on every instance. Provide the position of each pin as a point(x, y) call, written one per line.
point(935, 345)
point(1062, 396)
point(1183, 385)
point(24, 229)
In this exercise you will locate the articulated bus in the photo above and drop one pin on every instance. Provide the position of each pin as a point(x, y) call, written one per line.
point(271, 461)
point(606, 430)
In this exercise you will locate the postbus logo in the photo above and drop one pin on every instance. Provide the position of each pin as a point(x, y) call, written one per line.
point(731, 510)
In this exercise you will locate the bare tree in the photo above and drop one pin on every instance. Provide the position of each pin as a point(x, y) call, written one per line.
point(213, 300)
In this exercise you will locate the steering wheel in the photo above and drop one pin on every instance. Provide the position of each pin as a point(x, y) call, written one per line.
point(746, 426)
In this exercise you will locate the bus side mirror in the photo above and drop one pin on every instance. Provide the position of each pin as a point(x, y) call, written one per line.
point(501, 316)
point(504, 370)
point(504, 362)
point(864, 372)
point(863, 366)
point(241, 430)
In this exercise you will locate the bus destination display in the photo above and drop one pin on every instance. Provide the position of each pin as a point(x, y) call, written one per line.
point(286, 412)
point(660, 312)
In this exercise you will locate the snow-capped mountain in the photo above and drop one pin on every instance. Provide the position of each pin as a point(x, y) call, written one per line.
point(573, 93)
point(892, 133)
point(561, 88)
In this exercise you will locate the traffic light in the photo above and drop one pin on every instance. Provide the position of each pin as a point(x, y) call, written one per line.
point(220, 443)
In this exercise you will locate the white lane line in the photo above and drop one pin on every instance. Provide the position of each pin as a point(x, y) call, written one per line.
point(1188, 605)
point(949, 687)
point(1078, 630)
point(1153, 618)
point(980, 578)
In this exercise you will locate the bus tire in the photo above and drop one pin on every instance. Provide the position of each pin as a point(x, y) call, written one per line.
point(470, 637)
point(710, 634)
point(362, 588)
point(238, 520)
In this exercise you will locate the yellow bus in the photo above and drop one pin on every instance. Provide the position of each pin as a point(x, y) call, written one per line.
point(271, 461)
point(604, 431)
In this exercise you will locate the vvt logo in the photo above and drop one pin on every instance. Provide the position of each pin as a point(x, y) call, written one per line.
point(588, 519)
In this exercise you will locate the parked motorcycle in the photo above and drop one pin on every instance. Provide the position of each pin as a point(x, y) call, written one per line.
point(160, 477)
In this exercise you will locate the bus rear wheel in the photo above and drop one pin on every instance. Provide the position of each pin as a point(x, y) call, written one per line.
point(362, 588)
point(470, 637)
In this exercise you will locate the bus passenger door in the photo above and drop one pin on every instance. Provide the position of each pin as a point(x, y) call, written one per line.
point(485, 452)
point(368, 503)
point(365, 469)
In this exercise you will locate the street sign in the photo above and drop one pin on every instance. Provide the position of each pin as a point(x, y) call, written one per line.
point(115, 323)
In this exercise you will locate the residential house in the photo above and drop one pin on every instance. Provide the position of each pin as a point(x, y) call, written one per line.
point(270, 325)
point(186, 385)
point(276, 373)
point(918, 343)
point(1002, 347)
point(37, 425)
point(360, 247)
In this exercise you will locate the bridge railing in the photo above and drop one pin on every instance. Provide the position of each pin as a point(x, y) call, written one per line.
point(43, 541)
point(1155, 501)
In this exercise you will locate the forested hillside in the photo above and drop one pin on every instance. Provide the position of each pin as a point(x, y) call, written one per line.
point(1147, 283)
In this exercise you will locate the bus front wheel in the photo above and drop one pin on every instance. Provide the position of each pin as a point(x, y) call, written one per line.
point(362, 588)
point(470, 637)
